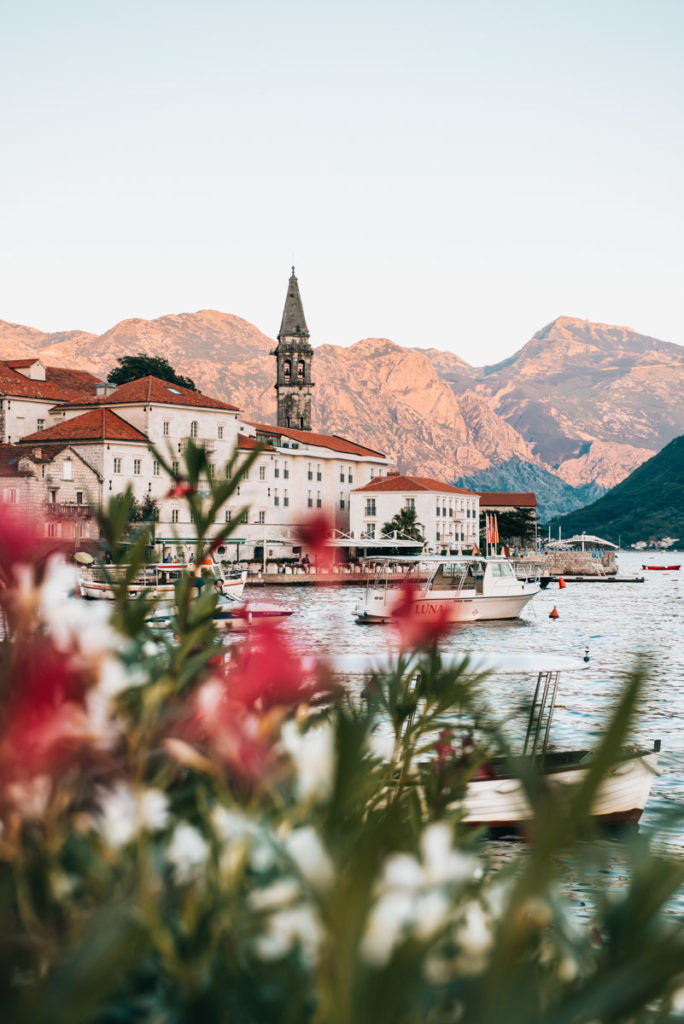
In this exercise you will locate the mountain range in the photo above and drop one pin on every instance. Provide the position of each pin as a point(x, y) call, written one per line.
point(575, 409)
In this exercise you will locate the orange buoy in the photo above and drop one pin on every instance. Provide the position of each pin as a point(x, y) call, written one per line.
point(554, 614)
point(561, 583)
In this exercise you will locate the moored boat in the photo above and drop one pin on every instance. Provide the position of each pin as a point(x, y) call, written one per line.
point(456, 589)
point(495, 798)
point(661, 568)
point(156, 580)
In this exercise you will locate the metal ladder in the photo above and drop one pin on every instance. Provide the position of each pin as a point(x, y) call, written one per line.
point(541, 713)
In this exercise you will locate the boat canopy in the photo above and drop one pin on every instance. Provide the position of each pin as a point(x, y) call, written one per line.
point(581, 541)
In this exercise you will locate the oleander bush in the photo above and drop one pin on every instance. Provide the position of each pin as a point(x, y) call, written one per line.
point(189, 835)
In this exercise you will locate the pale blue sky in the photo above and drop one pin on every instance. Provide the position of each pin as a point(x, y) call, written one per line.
point(442, 173)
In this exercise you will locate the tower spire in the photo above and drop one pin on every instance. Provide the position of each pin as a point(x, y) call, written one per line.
point(294, 356)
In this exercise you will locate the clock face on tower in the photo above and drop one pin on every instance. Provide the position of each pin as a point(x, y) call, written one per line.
point(294, 357)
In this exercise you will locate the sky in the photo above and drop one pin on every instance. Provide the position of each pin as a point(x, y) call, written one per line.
point(444, 174)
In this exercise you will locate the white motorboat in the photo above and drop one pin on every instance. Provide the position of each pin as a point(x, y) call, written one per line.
point(231, 613)
point(452, 589)
point(157, 580)
point(495, 798)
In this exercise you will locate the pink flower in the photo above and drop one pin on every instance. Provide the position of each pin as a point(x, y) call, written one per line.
point(315, 534)
point(180, 490)
point(417, 631)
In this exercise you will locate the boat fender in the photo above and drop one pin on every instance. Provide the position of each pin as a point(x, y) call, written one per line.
point(561, 583)
point(553, 614)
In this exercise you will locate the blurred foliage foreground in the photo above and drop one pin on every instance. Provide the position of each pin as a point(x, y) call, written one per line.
point(187, 837)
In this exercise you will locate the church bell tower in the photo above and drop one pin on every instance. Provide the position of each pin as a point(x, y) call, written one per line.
point(294, 356)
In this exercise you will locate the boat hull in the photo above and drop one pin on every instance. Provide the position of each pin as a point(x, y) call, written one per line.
point(101, 590)
point(450, 608)
point(500, 803)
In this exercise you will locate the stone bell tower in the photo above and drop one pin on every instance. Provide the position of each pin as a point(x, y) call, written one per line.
point(294, 357)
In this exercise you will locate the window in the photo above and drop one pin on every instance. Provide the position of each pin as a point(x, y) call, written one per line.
point(165, 428)
point(309, 500)
point(309, 472)
point(136, 467)
point(276, 471)
point(220, 433)
point(229, 515)
point(370, 531)
point(174, 515)
point(276, 499)
point(286, 500)
point(286, 472)
point(155, 468)
point(287, 369)
point(53, 497)
point(300, 370)
point(444, 511)
point(318, 499)
point(194, 430)
point(342, 474)
point(342, 501)
point(437, 510)
point(40, 424)
point(262, 472)
point(117, 465)
point(451, 511)
point(370, 506)
point(212, 470)
point(262, 518)
point(175, 467)
point(79, 497)
point(318, 473)
point(350, 477)
point(67, 470)
point(52, 530)
point(410, 504)
point(11, 496)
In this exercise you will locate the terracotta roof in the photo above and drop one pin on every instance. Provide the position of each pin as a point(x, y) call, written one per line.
point(160, 392)
point(398, 482)
point(247, 443)
point(43, 452)
point(518, 499)
point(97, 425)
point(331, 441)
point(60, 385)
point(9, 460)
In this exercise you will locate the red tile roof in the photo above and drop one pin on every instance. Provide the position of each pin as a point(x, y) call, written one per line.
point(97, 425)
point(331, 441)
point(517, 499)
point(398, 482)
point(246, 443)
point(60, 385)
point(9, 460)
point(153, 390)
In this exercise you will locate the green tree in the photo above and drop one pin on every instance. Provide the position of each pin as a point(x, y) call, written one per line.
point(516, 526)
point(405, 524)
point(142, 365)
point(145, 511)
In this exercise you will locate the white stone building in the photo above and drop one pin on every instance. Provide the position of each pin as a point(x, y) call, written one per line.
point(448, 517)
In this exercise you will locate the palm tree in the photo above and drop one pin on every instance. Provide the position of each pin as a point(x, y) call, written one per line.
point(405, 525)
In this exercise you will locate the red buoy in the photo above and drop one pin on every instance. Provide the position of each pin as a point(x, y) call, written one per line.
point(554, 614)
point(561, 583)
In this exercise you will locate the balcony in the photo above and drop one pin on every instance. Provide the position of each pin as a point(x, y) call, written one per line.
point(207, 444)
point(69, 510)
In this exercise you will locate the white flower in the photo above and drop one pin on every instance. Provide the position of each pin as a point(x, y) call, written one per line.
point(388, 923)
point(474, 936)
point(124, 812)
point(30, 797)
point(307, 851)
point(287, 928)
point(275, 896)
point(381, 745)
point(187, 853)
point(313, 753)
point(442, 862)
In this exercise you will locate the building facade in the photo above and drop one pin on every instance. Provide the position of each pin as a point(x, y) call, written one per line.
point(447, 516)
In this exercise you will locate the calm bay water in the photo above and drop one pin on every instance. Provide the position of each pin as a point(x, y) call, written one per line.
point(614, 621)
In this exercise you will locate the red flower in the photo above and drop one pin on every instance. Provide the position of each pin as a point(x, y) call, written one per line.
point(265, 671)
point(315, 534)
point(418, 628)
point(181, 489)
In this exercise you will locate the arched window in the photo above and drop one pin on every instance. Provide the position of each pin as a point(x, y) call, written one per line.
point(287, 369)
point(300, 370)
point(194, 428)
